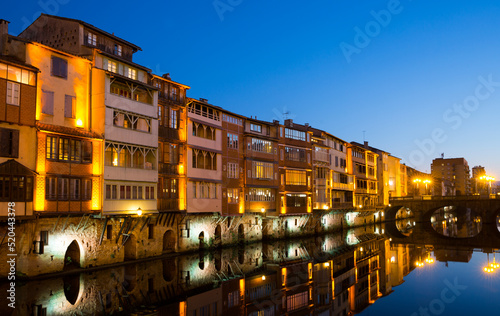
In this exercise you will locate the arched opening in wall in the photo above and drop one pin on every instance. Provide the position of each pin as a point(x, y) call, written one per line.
point(71, 286)
point(286, 227)
point(169, 268)
point(130, 248)
point(201, 240)
point(169, 241)
point(218, 236)
point(130, 277)
point(72, 256)
point(241, 233)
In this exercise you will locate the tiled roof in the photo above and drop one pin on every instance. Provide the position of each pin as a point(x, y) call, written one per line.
point(68, 130)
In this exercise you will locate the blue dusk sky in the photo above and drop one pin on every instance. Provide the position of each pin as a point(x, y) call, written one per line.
point(414, 78)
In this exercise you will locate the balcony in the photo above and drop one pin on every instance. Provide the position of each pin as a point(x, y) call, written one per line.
point(168, 204)
point(168, 168)
point(341, 205)
point(168, 133)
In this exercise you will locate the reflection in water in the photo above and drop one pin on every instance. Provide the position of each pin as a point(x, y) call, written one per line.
point(336, 274)
point(498, 222)
point(405, 226)
point(455, 222)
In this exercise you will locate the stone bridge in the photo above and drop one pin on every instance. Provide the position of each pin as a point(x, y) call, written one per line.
point(423, 233)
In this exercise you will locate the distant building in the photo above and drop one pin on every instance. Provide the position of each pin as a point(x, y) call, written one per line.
point(364, 167)
point(453, 171)
point(477, 185)
point(415, 183)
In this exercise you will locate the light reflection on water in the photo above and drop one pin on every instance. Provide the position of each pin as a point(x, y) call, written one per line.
point(456, 223)
point(359, 271)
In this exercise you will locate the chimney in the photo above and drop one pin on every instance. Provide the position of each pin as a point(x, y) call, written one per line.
point(4, 32)
point(167, 76)
point(366, 144)
point(203, 100)
point(4, 27)
point(289, 122)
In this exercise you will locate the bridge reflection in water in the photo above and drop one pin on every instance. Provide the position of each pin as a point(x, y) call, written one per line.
point(336, 274)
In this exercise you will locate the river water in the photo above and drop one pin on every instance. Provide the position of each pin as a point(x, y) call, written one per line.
point(365, 271)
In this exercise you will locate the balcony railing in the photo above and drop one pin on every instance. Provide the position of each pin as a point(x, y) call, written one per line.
point(168, 168)
point(168, 204)
point(167, 132)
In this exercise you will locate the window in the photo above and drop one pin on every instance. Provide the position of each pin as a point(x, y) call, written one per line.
point(232, 170)
point(295, 154)
point(109, 232)
point(232, 196)
point(204, 111)
point(151, 232)
point(48, 102)
point(256, 128)
point(131, 121)
point(174, 119)
point(262, 170)
point(295, 177)
point(204, 131)
point(297, 301)
point(121, 155)
point(232, 119)
point(296, 200)
point(295, 134)
point(64, 189)
point(111, 66)
point(232, 141)
point(91, 39)
point(205, 190)
point(13, 93)
point(174, 94)
point(66, 149)
point(132, 73)
point(59, 67)
point(233, 299)
point(203, 159)
point(118, 50)
point(260, 195)
point(16, 188)
point(321, 172)
point(9, 143)
point(69, 106)
point(17, 74)
point(261, 145)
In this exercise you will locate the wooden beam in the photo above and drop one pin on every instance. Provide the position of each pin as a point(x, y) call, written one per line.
point(121, 229)
point(65, 223)
point(103, 230)
point(145, 223)
point(55, 225)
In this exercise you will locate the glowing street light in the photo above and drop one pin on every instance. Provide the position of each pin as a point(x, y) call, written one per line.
point(487, 179)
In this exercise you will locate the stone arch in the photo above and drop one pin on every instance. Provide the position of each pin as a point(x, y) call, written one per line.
point(218, 236)
point(201, 240)
point(130, 248)
point(72, 256)
point(169, 241)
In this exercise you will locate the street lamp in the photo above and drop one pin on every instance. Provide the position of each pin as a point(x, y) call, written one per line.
point(487, 179)
point(417, 181)
point(427, 181)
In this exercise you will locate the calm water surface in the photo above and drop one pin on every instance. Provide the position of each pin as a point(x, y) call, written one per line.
point(376, 270)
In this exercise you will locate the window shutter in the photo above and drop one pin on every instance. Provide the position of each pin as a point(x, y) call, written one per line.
point(4, 142)
point(15, 144)
point(48, 102)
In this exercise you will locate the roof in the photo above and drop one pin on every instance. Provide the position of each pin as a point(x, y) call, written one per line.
point(90, 26)
point(123, 60)
point(68, 130)
point(13, 167)
point(170, 80)
point(17, 62)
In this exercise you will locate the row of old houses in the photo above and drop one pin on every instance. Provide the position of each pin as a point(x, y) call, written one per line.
point(89, 137)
